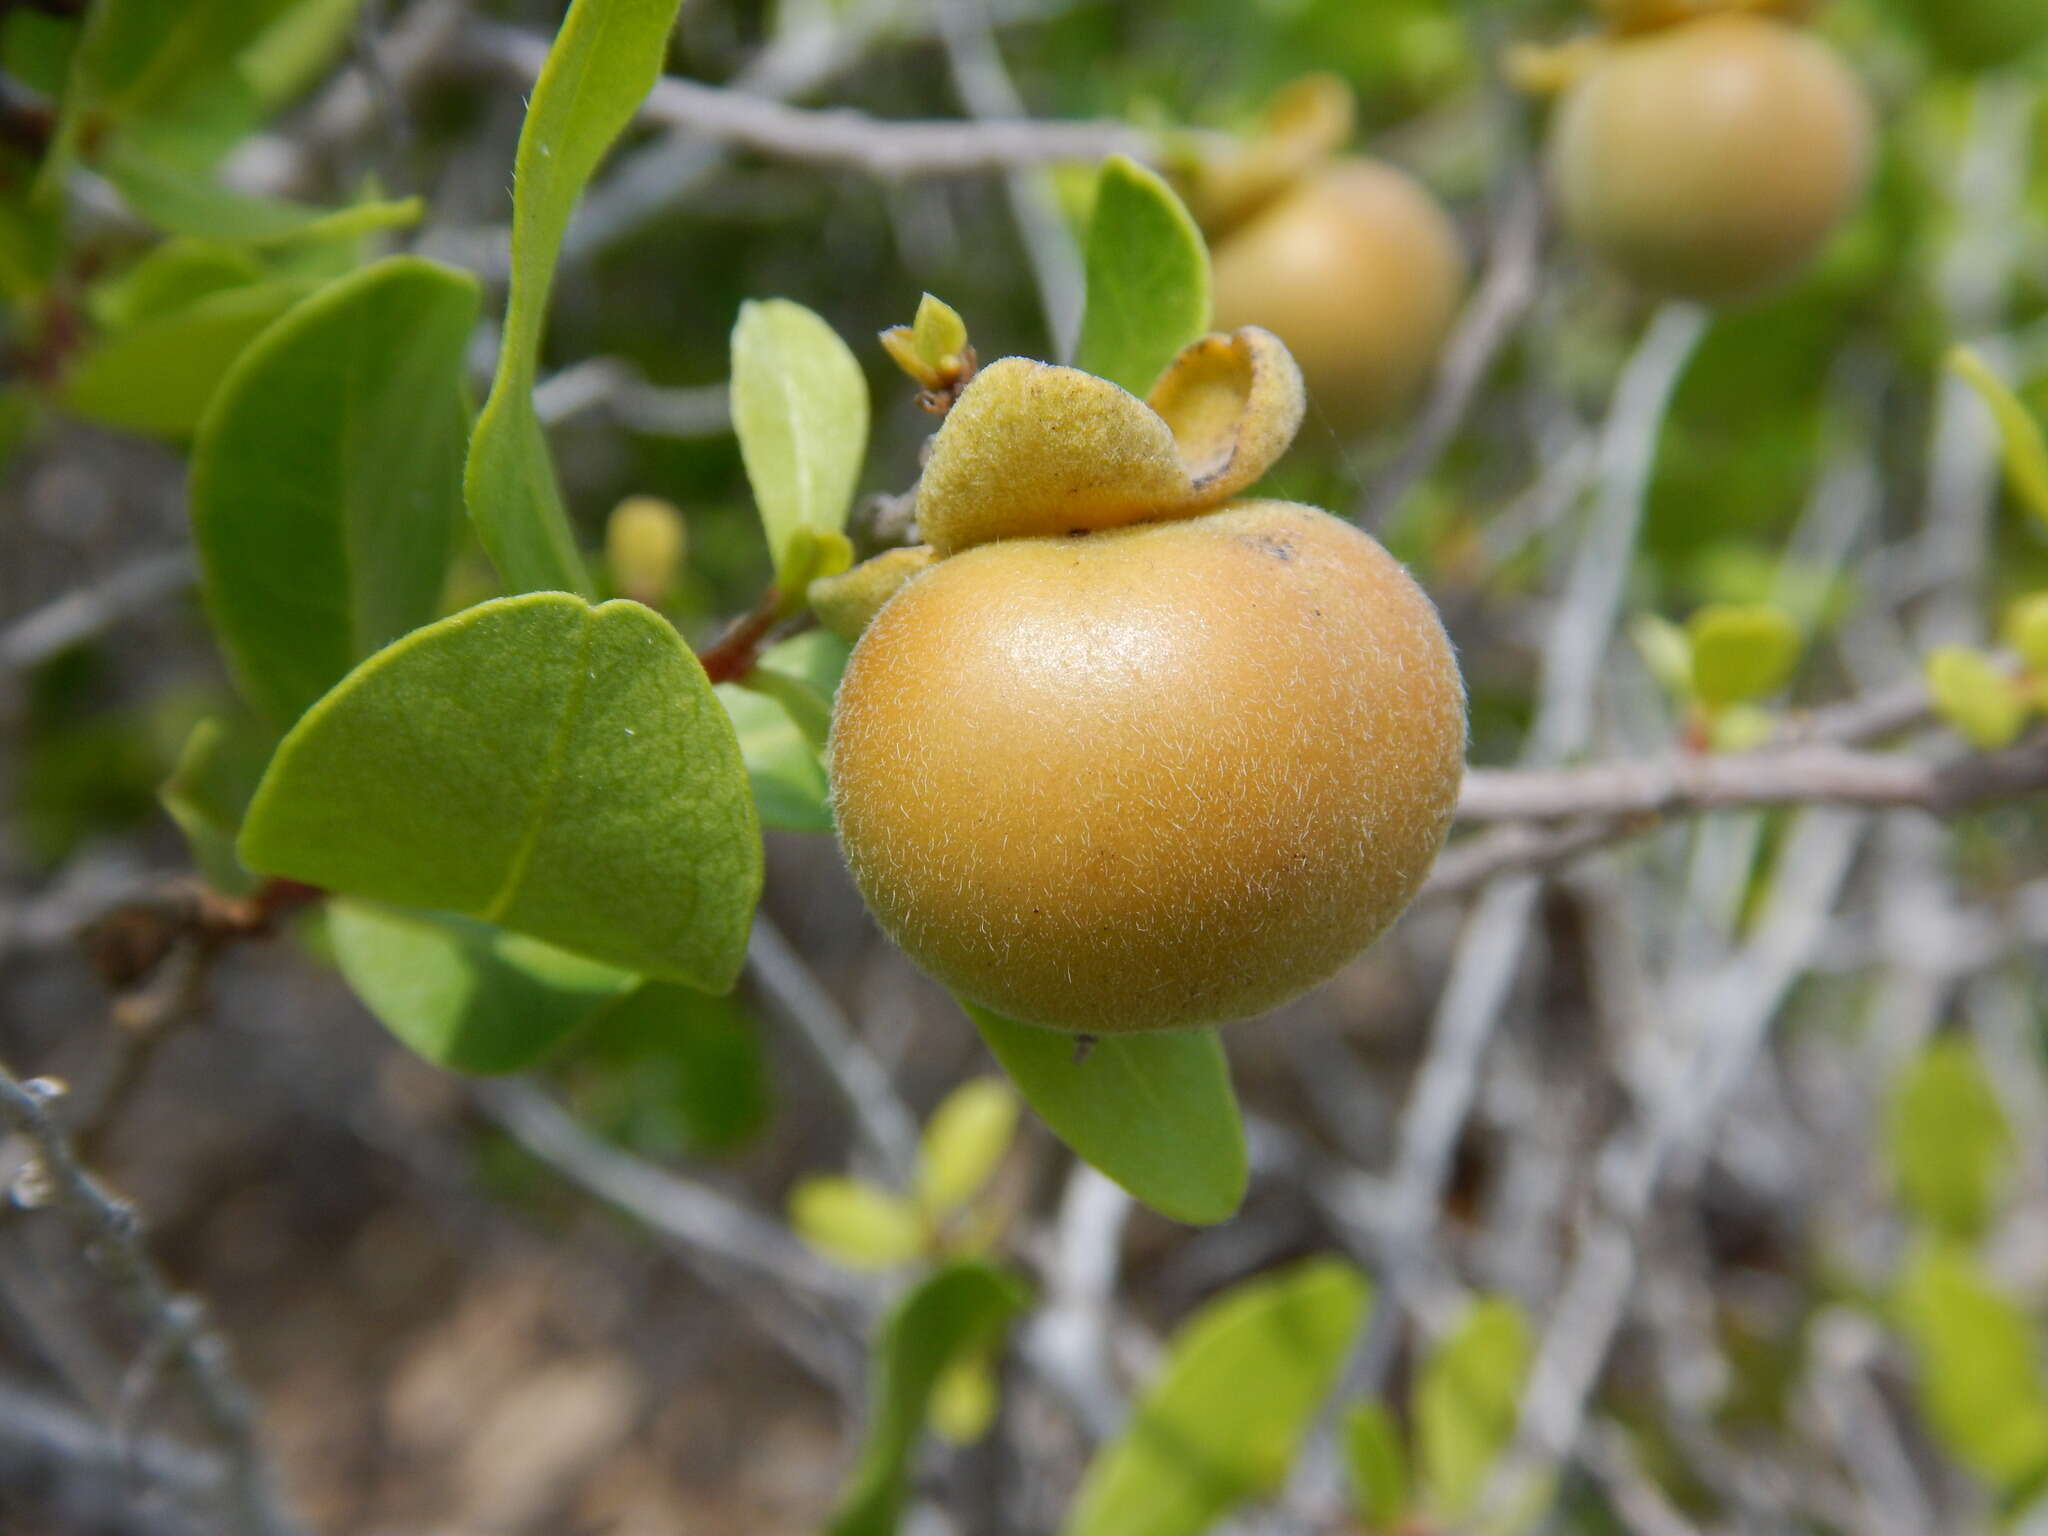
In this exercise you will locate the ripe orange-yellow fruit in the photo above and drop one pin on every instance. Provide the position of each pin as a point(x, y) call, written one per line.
point(1152, 776)
point(1358, 270)
point(1711, 160)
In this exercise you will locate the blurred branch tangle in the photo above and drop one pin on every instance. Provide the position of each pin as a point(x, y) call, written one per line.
point(1613, 1111)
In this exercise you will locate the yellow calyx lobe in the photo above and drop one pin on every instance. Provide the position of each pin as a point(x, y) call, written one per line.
point(1033, 450)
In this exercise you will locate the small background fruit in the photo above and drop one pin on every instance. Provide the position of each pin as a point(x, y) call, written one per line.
point(1358, 270)
point(1711, 161)
point(1153, 777)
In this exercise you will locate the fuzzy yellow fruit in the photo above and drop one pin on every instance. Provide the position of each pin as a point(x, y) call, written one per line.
point(1358, 270)
point(1711, 160)
point(1151, 776)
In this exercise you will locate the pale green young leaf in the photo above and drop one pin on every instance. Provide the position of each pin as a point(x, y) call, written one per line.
point(1222, 1420)
point(1465, 1403)
point(1977, 700)
point(1378, 1465)
point(290, 54)
point(1980, 1366)
point(558, 769)
point(2026, 451)
point(159, 377)
point(326, 483)
point(466, 995)
point(808, 710)
point(962, 1309)
point(184, 201)
point(1741, 652)
point(855, 1223)
point(963, 1141)
point(1154, 1112)
point(1148, 279)
point(1666, 650)
point(604, 61)
point(1948, 1139)
point(800, 410)
point(2026, 631)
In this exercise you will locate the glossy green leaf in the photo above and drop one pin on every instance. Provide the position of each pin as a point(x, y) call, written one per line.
point(558, 769)
point(1980, 1366)
point(1220, 1423)
point(159, 377)
point(603, 63)
point(1741, 653)
point(855, 1223)
point(1977, 700)
point(964, 1141)
point(962, 1309)
point(326, 485)
point(1154, 1112)
point(1948, 1140)
point(1378, 1465)
point(1148, 279)
point(2026, 451)
point(669, 1071)
point(467, 995)
point(800, 410)
point(1465, 1403)
point(183, 201)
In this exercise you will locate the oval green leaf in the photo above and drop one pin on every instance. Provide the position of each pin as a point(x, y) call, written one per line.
point(1154, 1112)
point(1741, 652)
point(670, 1072)
point(1465, 1403)
point(961, 1310)
point(800, 410)
point(1949, 1144)
point(602, 65)
point(1148, 279)
point(2025, 449)
point(160, 377)
point(467, 995)
point(326, 486)
point(1223, 1418)
point(559, 769)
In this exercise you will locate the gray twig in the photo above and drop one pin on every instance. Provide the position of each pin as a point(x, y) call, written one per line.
point(116, 1239)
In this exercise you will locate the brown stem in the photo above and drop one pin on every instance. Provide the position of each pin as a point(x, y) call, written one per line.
point(732, 656)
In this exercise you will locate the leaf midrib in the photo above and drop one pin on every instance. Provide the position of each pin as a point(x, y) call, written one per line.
point(551, 778)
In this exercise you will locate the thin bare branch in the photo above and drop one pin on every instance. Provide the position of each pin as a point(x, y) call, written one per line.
point(175, 1323)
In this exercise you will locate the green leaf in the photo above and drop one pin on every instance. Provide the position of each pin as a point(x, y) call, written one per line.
point(170, 277)
point(1148, 279)
point(858, 1224)
point(2026, 631)
point(669, 1072)
point(964, 1141)
point(1948, 1139)
point(326, 486)
point(789, 782)
point(1741, 653)
point(183, 201)
point(1465, 1403)
point(1980, 1367)
point(808, 710)
point(1154, 1112)
point(1222, 1420)
point(467, 995)
point(1979, 702)
point(1378, 1466)
point(159, 377)
point(602, 65)
point(292, 52)
point(1666, 651)
point(800, 410)
point(559, 769)
point(2026, 452)
point(962, 1310)
point(208, 791)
